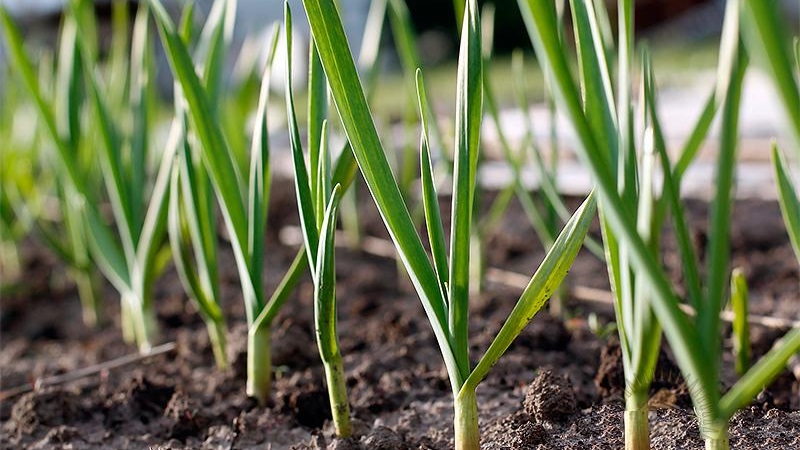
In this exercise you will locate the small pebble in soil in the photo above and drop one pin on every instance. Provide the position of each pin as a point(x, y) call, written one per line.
point(550, 398)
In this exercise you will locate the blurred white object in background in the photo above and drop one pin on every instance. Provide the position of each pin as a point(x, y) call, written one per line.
point(254, 22)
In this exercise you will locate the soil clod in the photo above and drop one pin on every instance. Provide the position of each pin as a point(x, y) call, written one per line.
point(550, 398)
point(48, 408)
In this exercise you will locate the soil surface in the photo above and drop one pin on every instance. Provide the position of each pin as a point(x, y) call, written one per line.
point(558, 387)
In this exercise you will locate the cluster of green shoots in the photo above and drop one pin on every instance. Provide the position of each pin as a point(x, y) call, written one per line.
point(131, 253)
point(197, 175)
point(624, 161)
point(442, 280)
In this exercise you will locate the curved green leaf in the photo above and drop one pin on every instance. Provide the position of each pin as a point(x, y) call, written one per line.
point(469, 114)
point(351, 103)
point(259, 181)
point(760, 375)
point(540, 18)
point(216, 156)
point(325, 289)
point(768, 40)
point(787, 194)
point(544, 282)
point(430, 198)
point(302, 181)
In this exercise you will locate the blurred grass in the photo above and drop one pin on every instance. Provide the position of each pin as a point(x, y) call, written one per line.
point(675, 64)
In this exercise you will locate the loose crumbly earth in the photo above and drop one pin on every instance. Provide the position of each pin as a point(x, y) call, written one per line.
point(558, 387)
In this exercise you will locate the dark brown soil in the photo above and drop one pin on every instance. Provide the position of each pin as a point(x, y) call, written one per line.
point(558, 387)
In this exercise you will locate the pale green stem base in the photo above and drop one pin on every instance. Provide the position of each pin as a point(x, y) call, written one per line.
point(637, 430)
point(337, 394)
point(216, 335)
point(259, 364)
point(715, 435)
point(144, 327)
point(90, 302)
point(126, 322)
point(465, 422)
point(138, 323)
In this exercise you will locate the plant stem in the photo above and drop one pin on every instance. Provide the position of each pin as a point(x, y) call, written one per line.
point(90, 302)
point(637, 430)
point(216, 334)
point(126, 322)
point(466, 420)
point(259, 363)
point(741, 328)
point(337, 393)
point(637, 425)
point(715, 434)
point(147, 328)
point(142, 320)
